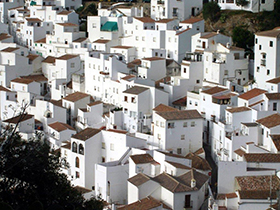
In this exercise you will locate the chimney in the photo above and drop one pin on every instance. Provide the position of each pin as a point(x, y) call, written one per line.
point(228, 45)
point(99, 5)
point(193, 183)
point(218, 31)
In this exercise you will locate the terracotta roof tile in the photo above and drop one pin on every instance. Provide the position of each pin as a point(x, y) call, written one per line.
point(36, 77)
point(142, 158)
point(274, 81)
point(136, 90)
point(199, 162)
point(231, 195)
point(139, 179)
point(262, 157)
point(4, 89)
point(117, 131)
point(164, 108)
point(32, 57)
point(214, 90)
point(76, 96)
point(41, 40)
point(276, 141)
point(49, 59)
point(67, 145)
point(208, 35)
point(33, 20)
point(273, 96)
point(256, 103)
point(180, 115)
point(102, 41)
point(178, 165)
point(122, 47)
point(68, 24)
point(252, 93)
point(238, 109)
point(164, 20)
point(10, 49)
point(95, 103)
point(270, 121)
point(240, 152)
point(67, 57)
point(145, 19)
point(181, 32)
point(65, 12)
point(180, 102)
point(144, 204)
point(134, 63)
point(86, 134)
point(80, 39)
point(153, 59)
point(172, 155)
point(22, 81)
point(4, 36)
point(19, 118)
point(128, 77)
point(271, 33)
point(59, 126)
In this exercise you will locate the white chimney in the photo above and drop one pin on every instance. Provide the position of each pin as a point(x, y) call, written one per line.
point(218, 31)
point(228, 45)
point(99, 5)
point(193, 183)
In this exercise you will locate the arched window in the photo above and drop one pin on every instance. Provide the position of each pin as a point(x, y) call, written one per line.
point(77, 162)
point(74, 147)
point(81, 149)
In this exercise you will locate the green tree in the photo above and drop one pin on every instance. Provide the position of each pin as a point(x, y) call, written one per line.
point(242, 37)
point(30, 176)
point(211, 11)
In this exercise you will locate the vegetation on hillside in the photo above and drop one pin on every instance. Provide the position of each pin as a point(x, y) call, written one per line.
point(30, 178)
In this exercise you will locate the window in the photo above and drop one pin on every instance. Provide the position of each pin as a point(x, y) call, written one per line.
point(112, 147)
point(258, 69)
point(77, 162)
point(94, 25)
point(133, 100)
point(256, 41)
point(154, 39)
point(125, 98)
point(185, 124)
point(159, 136)
point(169, 39)
point(162, 124)
point(171, 125)
point(267, 71)
point(143, 38)
point(136, 27)
point(260, 47)
point(263, 1)
point(274, 106)
point(192, 124)
point(266, 134)
point(81, 149)
point(74, 147)
point(271, 44)
point(136, 38)
point(185, 70)
point(226, 72)
point(77, 175)
point(72, 65)
point(262, 131)
point(144, 49)
point(179, 151)
point(157, 123)
point(187, 201)
point(195, 103)
point(197, 81)
point(103, 145)
point(190, 102)
point(89, 65)
point(182, 137)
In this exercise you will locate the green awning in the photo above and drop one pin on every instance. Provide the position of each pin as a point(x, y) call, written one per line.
point(110, 26)
point(33, 3)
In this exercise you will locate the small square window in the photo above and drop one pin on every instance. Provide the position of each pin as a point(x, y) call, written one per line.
point(185, 124)
point(260, 47)
point(182, 137)
point(192, 124)
point(271, 43)
point(267, 71)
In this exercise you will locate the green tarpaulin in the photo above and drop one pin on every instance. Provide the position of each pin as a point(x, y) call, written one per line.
point(33, 3)
point(110, 26)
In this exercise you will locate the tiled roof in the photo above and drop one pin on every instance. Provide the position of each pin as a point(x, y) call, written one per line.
point(41, 40)
point(144, 204)
point(191, 20)
point(238, 109)
point(274, 81)
point(257, 187)
point(76, 96)
point(153, 59)
point(68, 24)
point(67, 145)
point(145, 19)
point(49, 59)
point(231, 195)
point(262, 157)
point(164, 108)
point(122, 47)
point(270, 33)
point(256, 103)
point(180, 115)
point(270, 121)
point(19, 118)
point(172, 155)
point(67, 57)
point(33, 19)
point(198, 162)
point(181, 183)
point(180, 102)
point(10, 49)
point(178, 165)
point(252, 93)
point(164, 20)
point(22, 81)
point(138, 179)
point(128, 77)
point(136, 90)
point(4, 36)
point(273, 96)
point(57, 103)
point(183, 31)
point(224, 96)
point(95, 103)
point(86, 134)
point(276, 140)
point(250, 124)
point(134, 63)
point(214, 90)
point(80, 39)
point(59, 126)
point(102, 41)
point(117, 131)
point(65, 12)
point(209, 35)
point(142, 158)
point(199, 151)
point(32, 57)
point(240, 152)
point(36, 77)
point(4, 89)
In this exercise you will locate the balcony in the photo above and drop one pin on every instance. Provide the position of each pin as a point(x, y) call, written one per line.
point(160, 2)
